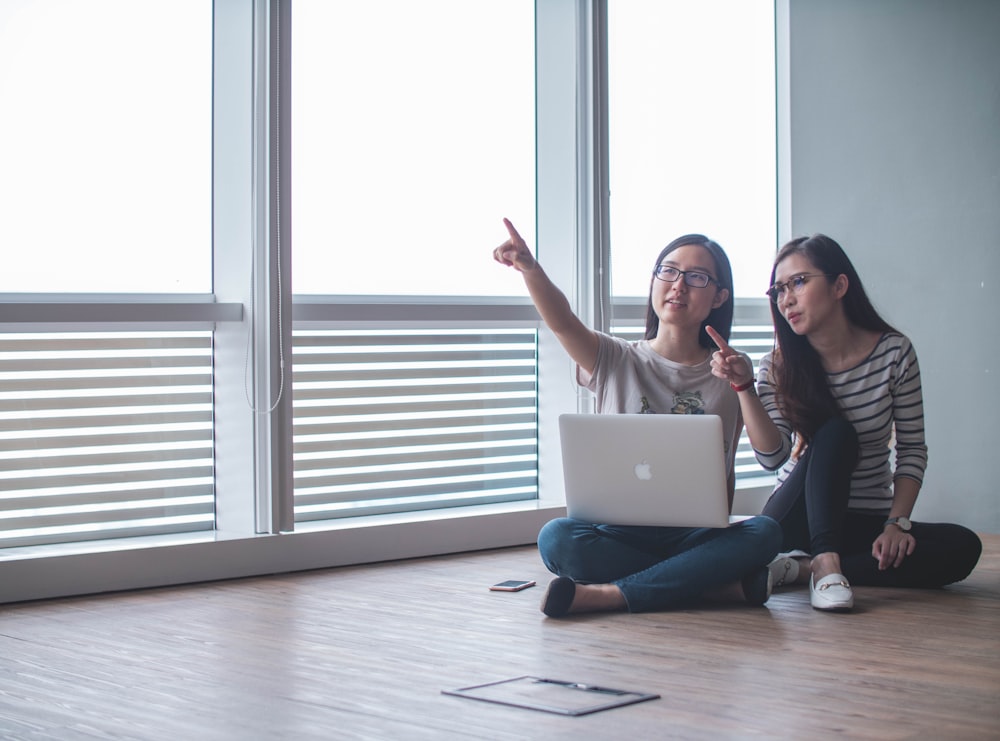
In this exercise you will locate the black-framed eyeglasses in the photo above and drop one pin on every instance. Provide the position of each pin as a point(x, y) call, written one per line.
point(693, 278)
point(795, 284)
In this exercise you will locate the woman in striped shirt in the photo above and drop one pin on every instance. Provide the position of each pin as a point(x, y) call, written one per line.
point(838, 395)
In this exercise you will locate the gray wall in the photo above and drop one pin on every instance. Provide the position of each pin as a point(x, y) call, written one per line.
point(892, 126)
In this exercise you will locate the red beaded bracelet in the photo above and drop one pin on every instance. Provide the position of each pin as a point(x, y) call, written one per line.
point(744, 387)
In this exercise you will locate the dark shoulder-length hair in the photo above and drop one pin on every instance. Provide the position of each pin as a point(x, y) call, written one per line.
point(797, 372)
point(721, 317)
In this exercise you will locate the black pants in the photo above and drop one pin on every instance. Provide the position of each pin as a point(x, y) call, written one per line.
point(811, 506)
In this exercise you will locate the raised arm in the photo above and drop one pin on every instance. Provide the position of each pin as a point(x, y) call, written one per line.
point(734, 367)
point(579, 341)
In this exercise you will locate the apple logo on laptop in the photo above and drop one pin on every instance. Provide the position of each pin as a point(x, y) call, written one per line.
point(643, 471)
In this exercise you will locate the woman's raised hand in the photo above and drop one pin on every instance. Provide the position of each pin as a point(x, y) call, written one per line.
point(514, 252)
point(727, 363)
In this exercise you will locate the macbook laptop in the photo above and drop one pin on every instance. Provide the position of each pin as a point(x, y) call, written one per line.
point(645, 469)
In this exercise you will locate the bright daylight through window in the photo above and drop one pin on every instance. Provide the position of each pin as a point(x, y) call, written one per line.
point(692, 134)
point(413, 129)
point(108, 187)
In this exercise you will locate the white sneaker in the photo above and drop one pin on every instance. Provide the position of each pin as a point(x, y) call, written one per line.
point(832, 592)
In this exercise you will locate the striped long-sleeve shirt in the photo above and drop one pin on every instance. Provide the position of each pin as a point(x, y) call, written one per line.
point(882, 398)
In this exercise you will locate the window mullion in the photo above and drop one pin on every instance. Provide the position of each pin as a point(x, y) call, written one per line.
point(272, 285)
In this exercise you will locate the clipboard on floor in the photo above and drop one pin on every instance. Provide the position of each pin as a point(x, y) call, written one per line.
point(552, 695)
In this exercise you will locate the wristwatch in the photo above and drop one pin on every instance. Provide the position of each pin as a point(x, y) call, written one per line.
point(903, 523)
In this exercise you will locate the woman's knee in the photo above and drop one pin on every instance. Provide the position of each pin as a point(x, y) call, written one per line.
point(771, 531)
point(965, 549)
point(553, 539)
point(549, 534)
point(766, 533)
point(945, 553)
point(840, 434)
point(554, 531)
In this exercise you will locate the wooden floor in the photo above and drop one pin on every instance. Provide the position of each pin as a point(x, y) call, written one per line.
point(364, 653)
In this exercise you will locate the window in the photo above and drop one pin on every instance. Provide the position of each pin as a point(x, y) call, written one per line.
point(414, 133)
point(106, 430)
point(692, 134)
point(410, 142)
point(421, 392)
point(108, 189)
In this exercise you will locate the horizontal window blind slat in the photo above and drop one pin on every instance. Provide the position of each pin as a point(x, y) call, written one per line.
point(114, 475)
point(176, 395)
point(437, 487)
point(138, 489)
point(444, 437)
point(416, 406)
point(117, 497)
point(423, 359)
point(389, 425)
point(95, 516)
point(145, 418)
point(67, 385)
point(97, 365)
point(55, 459)
point(387, 456)
point(412, 503)
point(90, 343)
point(305, 339)
point(112, 436)
point(470, 388)
point(305, 374)
point(413, 470)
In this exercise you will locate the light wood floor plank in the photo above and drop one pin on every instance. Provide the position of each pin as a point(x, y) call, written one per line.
point(364, 652)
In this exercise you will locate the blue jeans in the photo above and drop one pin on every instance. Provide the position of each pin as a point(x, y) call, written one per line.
point(658, 567)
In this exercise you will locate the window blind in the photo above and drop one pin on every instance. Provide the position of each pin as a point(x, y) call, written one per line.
point(104, 435)
point(398, 421)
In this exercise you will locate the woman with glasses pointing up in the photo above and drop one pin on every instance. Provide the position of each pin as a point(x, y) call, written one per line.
point(606, 566)
point(838, 395)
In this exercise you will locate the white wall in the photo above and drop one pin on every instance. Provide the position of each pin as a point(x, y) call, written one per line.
point(893, 119)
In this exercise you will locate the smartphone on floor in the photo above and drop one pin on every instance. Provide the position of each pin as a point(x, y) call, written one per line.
point(511, 585)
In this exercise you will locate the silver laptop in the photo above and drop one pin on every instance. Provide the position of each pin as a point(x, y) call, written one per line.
point(645, 469)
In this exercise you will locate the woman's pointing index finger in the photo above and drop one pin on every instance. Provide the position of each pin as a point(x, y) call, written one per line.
point(717, 339)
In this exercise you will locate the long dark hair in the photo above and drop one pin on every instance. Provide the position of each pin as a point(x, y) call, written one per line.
point(797, 372)
point(721, 317)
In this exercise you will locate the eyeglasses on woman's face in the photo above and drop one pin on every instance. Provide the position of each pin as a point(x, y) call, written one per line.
point(795, 284)
point(693, 278)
